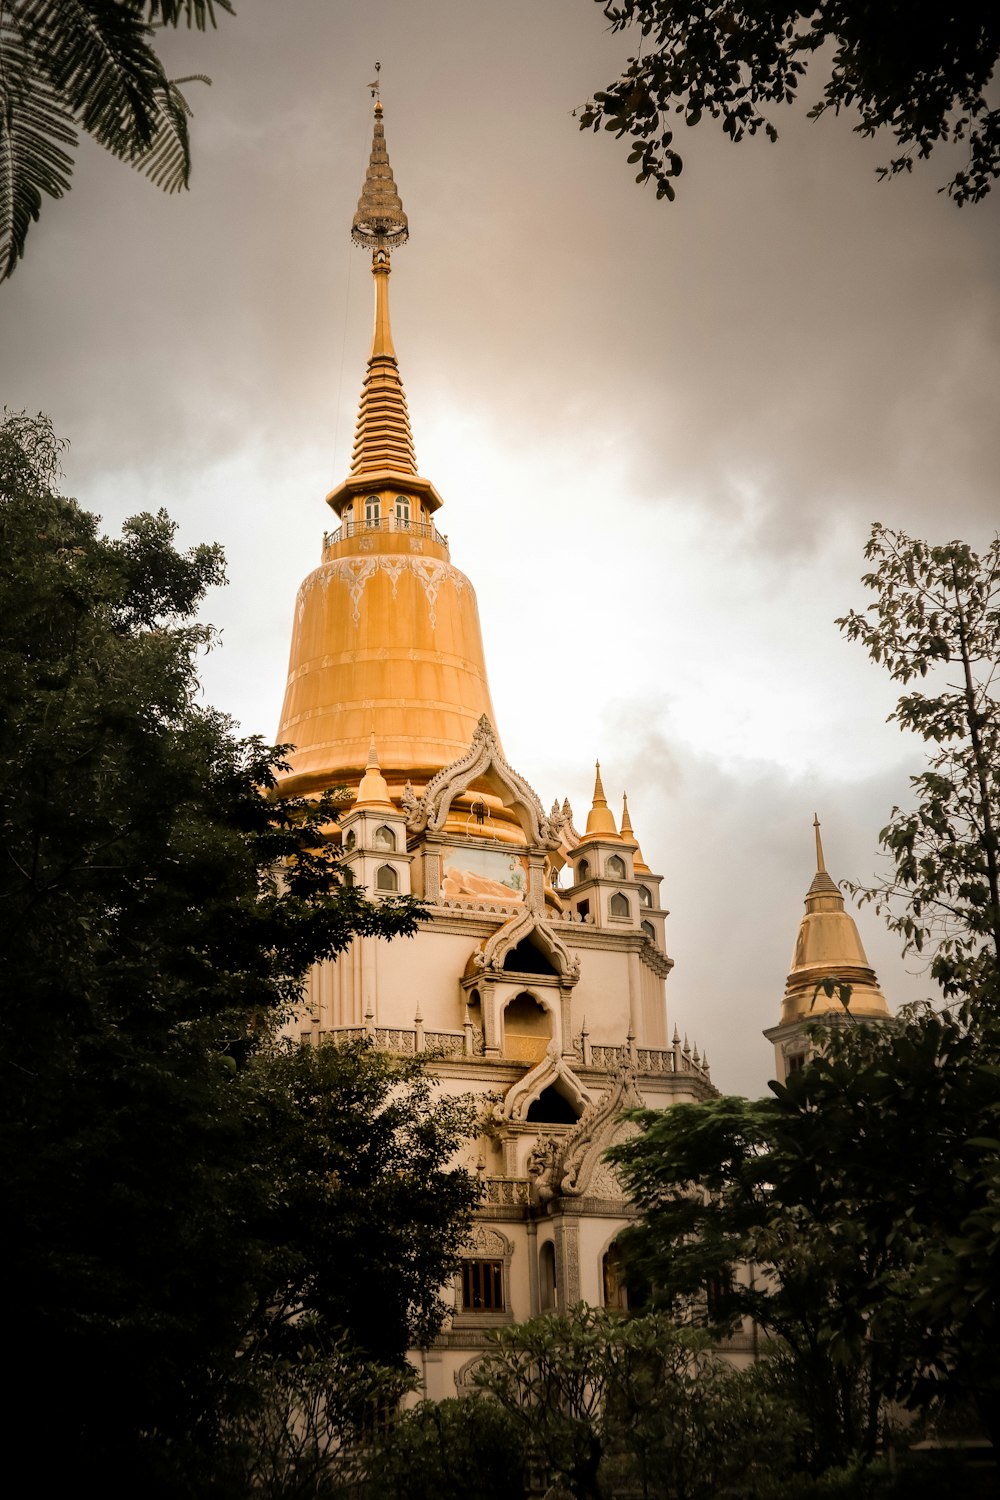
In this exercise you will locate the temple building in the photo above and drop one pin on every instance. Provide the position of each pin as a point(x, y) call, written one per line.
point(537, 978)
point(830, 979)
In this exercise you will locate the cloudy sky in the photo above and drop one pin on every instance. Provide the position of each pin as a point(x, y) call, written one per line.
point(661, 431)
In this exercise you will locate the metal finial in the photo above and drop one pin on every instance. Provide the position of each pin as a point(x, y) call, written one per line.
point(380, 223)
point(819, 844)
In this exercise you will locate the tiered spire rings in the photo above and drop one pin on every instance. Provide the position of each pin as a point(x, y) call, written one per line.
point(383, 440)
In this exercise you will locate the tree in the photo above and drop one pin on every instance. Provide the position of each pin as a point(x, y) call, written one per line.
point(604, 1402)
point(364, 1216)
point(866, 1189)
point(67, 65)
point(843, 1192)
point(161, 906)
point(450, 1450)
point(920, 72)
point(936, 618)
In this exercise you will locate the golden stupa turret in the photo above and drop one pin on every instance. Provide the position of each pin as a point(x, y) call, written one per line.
point(828, 947)
point(386, 639)
point(373, 791)
point(600, 819)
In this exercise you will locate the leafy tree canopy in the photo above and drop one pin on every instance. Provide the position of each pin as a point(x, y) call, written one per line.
point(71, 65)
point(867, 1189)
point(605, 1404)
point(919, 71)
point(935, 620)
point(184, 1204)
point(858, 1194)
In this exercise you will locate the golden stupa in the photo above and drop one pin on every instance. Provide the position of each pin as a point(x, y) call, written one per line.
point(386, 639)
point(828, 947)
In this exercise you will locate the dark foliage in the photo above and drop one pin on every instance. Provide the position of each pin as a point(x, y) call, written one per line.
point(69, 65)
point(920, 72)
point(168, 1180)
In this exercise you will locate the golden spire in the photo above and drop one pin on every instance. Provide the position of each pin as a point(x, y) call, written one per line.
point(600, 819)
point(628, 837)
point(373, 791)
point(828, 947)
point(383, 440)
point(386, 635)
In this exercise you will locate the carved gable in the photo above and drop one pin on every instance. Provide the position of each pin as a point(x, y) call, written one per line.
point(528, 925)
point(483, 762)
point(550, 1072)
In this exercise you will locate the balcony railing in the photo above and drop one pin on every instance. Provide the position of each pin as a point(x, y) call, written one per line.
point(386, 523)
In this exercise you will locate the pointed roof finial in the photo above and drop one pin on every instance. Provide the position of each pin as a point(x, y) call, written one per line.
point(600, 819)
point(819, 844)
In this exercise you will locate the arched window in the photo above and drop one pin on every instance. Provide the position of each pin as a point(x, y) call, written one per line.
point(552, 1108)
point(649, 930)
point(386, 879)
point(615, 1293)
point(583, 871)
point(619, 906)
point(402, 510)
point(527, 1029)
point(526, 958)
point(617, 869)
point(350, 839)
point(645, 896)
point(373, 510)
point(384, 839)
point(347, 875)
point(346, 517)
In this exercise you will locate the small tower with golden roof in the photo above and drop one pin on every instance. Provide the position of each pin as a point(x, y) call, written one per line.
point(828, 954)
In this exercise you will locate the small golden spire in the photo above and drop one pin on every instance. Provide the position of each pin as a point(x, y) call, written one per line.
point(373, 791)
point(820, 866)
point(628, 837)
point(600, 819)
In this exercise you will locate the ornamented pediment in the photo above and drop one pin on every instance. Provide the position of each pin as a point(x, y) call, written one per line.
point(483, 762)
point(527, 924)
point(551, 1071)
point(583, 1168)
point(487, 1242)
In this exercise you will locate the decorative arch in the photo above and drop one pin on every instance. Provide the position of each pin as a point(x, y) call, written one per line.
point(465, 1384)
point(550, 1072)
point(386, 878)
point(528, 925)
point(484, 762)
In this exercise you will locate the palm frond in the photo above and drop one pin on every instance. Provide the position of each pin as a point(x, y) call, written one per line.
point(89, 63)
point(199, 13)
point(36, 140)
point(167, 162)
point(98, 56)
